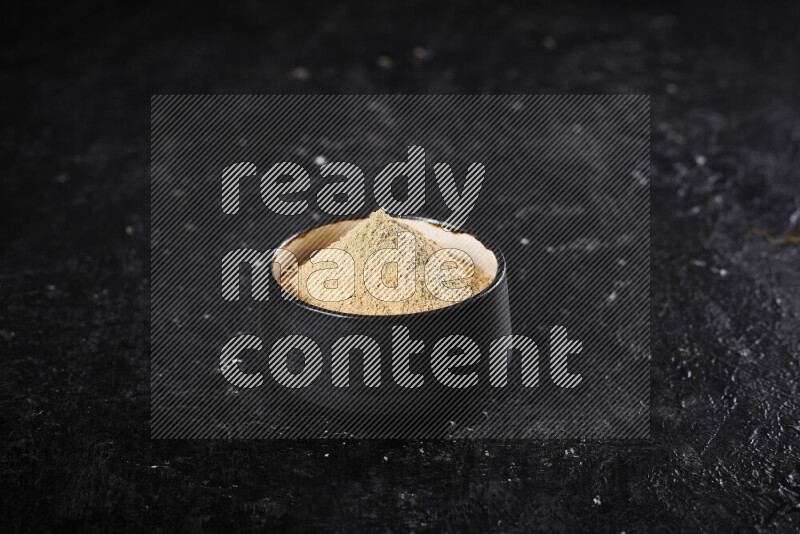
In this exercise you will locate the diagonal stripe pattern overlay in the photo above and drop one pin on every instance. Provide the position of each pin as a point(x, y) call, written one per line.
point(561, 185)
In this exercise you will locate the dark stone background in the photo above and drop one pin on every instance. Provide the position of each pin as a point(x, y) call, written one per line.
point(76, 451)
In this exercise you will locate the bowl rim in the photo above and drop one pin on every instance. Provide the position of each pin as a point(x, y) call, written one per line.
point(499, 277)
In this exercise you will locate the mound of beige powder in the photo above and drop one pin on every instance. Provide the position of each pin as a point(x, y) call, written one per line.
point(331, 281)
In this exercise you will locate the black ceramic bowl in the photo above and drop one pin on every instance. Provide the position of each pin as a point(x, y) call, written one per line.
point(481, 318)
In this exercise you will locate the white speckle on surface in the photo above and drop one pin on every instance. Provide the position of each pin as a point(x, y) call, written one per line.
point(299, 74)
point(524, 241)
point(596, 501)
point(794, 218)
point(420, 54)
point(129, 230)
point(700, 160)
point(320, 160)
point(612, 297)
point(640, 177)
point(385, 62)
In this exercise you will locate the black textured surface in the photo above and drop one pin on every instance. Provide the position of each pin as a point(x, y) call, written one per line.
point(76, 453)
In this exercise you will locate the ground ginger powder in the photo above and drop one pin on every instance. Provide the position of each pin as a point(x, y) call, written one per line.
point(330, 280)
